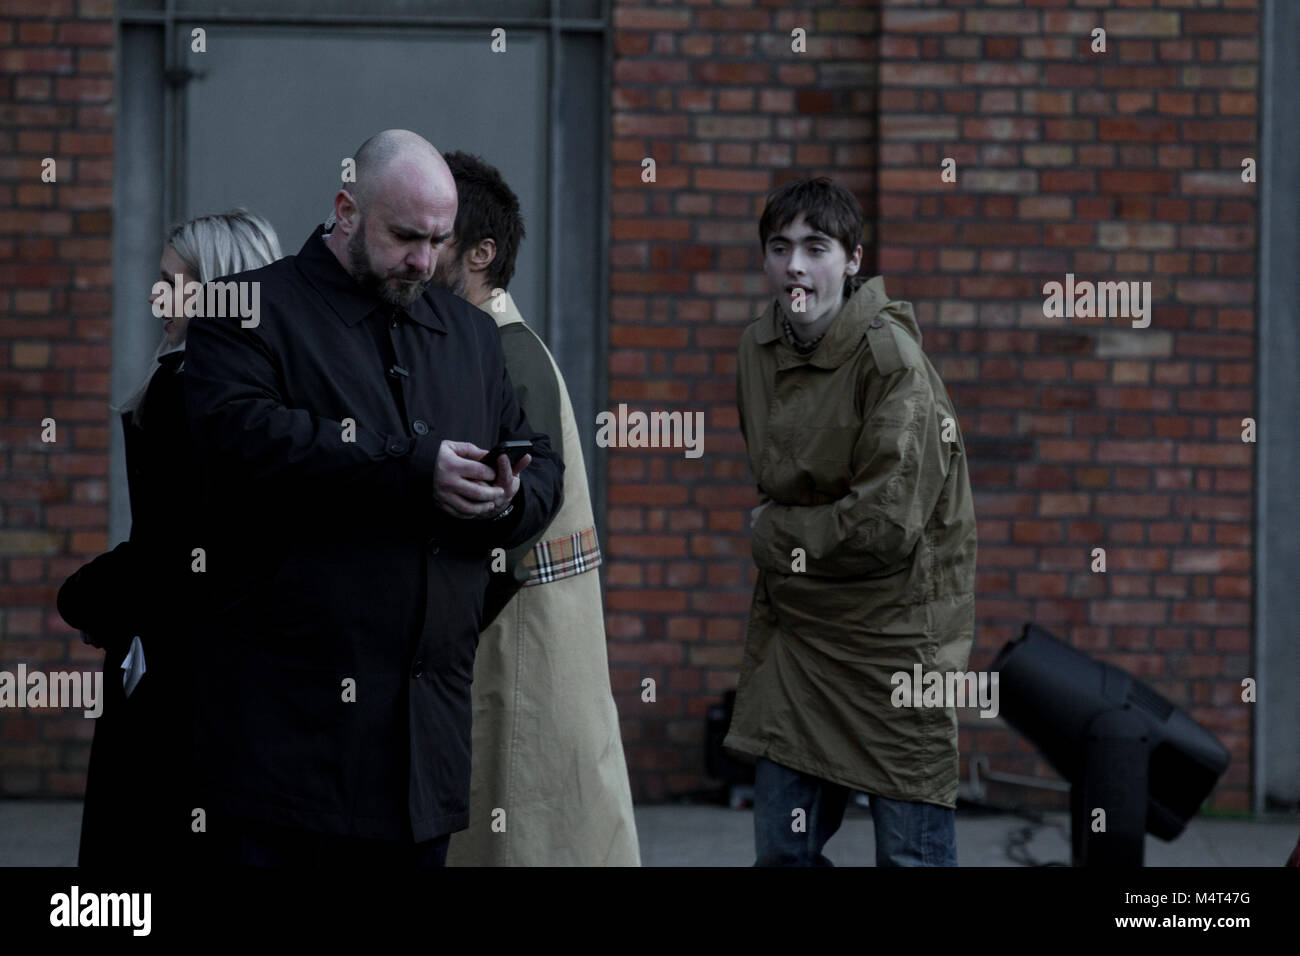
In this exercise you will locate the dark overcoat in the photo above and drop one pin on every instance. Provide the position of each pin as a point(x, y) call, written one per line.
point(345, 604)
point(137, 809)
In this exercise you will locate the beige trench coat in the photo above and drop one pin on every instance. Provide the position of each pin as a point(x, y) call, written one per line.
point(548, 780)
point(849, 446)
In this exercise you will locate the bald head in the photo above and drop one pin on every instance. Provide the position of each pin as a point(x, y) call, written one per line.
point(396, 157)
point(393, 221)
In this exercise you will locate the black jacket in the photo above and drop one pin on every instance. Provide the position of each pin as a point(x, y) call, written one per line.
point(136, 808)
point(344, 605)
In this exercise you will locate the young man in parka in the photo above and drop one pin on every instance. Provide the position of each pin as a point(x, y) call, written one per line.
point(864, 540)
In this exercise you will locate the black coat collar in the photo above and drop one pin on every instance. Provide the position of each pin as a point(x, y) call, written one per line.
point(350, 302)
point(173, 361)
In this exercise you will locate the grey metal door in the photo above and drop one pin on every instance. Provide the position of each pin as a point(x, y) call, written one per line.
point(265, 115)
point(272, 112)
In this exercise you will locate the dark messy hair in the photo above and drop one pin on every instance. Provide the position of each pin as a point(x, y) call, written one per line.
point(487, 209)
point(826, 206)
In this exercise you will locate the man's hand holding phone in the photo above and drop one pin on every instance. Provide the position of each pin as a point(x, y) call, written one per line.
point(472, 482)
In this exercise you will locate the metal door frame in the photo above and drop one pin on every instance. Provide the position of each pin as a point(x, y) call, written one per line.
point(1277, 457)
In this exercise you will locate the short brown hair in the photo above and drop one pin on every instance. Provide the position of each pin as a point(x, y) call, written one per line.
point(487, 209)
point(826, 206)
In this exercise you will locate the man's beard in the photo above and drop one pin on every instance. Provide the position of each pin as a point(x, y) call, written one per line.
point(388, 289)
point(453, 277)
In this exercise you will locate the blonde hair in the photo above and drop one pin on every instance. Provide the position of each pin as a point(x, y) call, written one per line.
point(211, 247)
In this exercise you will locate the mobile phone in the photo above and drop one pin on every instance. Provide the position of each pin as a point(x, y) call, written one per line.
point(515, 449)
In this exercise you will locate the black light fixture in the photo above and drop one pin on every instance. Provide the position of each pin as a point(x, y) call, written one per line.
point(1123, 747)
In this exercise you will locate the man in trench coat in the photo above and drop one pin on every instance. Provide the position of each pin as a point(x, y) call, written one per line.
point(352, 521)
point(548, 785)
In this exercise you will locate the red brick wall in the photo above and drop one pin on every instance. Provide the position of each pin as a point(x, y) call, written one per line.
point(1082, 432)
point(56, 87)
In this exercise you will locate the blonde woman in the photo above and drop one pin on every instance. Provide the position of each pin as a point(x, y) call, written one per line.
point(132, 600)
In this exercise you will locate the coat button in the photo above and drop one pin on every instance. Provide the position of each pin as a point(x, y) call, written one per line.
point(397, 448)
point(420, 427)
point(418, 671)
point(875, 323)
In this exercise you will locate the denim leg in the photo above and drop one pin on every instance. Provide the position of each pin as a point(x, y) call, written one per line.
point(913, 834)
point(778, 792)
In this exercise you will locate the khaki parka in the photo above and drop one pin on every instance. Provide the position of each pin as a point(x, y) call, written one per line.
point(865, 554)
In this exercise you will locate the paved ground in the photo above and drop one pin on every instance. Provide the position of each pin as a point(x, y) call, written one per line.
point(44, 833)
point(715, 836)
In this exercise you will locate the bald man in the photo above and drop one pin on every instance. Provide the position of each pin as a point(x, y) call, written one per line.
point(355, 509)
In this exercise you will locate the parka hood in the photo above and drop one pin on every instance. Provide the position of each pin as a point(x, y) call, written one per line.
point(865, 305)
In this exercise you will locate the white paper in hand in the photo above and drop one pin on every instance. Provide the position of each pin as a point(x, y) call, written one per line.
point(133, 666)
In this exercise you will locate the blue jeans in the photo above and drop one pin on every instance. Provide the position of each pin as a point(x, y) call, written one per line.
point(907, 833)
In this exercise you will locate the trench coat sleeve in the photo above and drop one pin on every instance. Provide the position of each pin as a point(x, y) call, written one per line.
point(239, 418)
point(900, 466)
point(541, 486)
point(538, 393)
